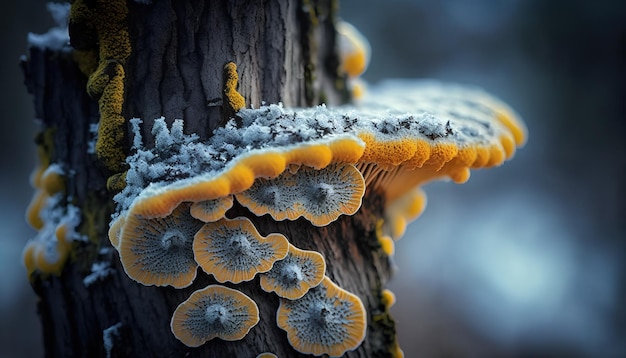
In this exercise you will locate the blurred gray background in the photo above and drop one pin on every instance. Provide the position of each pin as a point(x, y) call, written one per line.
point(526, 260)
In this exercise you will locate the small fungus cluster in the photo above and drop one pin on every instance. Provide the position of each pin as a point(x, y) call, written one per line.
point(54, 219)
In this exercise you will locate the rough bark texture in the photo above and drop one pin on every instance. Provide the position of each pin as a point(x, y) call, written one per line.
point(285, 52)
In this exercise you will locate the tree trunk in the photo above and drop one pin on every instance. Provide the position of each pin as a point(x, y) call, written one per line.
point(285, 52)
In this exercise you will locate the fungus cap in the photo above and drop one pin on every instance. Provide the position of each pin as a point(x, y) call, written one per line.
point(214, 312)
point(320, 196)
point(233, 250)
point(159, 251)
point(354, 49)
point(211, 210)
point(295, 274)
point(388, 298)
point(326, 320)
point(115, 230)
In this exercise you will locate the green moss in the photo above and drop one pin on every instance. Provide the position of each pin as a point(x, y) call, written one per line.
point(107, 20)
point(381, 318)
point(116, 182)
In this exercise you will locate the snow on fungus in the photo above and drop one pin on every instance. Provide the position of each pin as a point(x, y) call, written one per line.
point(211, 210)
point(214, 312)
point(295, 274)
point(52, 179)
point(233, 250)
point(159, 251)
point(47, 180)
point(234, 99)
point(426, 131)
point(48, 251)
point(354, 49)
point(320, 196)
point(403, 135)
point(326, 320)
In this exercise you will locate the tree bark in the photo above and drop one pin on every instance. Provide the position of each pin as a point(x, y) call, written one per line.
point(285, 52)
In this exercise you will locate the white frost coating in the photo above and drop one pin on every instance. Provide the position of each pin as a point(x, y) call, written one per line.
point(57, 38)
point(108, 335)
point(54, 168)
point(416, 109)
point(99, 271)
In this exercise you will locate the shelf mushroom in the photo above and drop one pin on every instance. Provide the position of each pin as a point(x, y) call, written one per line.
point(326, 320)
point(214, 312)
point(234, 251)
point(159, 251)
point(319, 195)
point(211, 210)
point(293, 276)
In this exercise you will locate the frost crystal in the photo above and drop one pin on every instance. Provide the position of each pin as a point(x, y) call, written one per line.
point(57, 38)
point(99, 271)
point(108, 335)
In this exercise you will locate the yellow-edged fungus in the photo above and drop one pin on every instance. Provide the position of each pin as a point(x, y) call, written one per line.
point(115, 230)
point(159, 251)
point(34, 208)
point(326, 320)
point(214, 312)
point(354, 50)
point(211, 210)
point(241, 174)
point(402, 211)
point(320, 196)
point(294, 275)
point(234, 251)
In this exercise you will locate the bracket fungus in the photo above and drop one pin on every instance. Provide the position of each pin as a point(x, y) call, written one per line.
point(174, 192)
point(295, 274)
point(211, 210)
point(159, 251)
point(326, 320)
point(214, 312)
point(319, 195)
point(234, 251)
